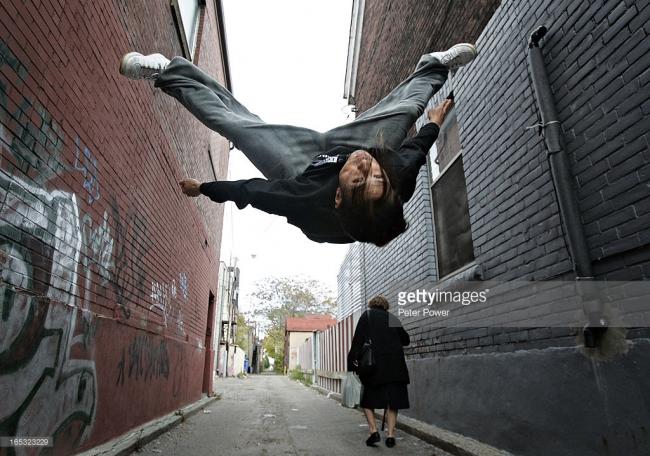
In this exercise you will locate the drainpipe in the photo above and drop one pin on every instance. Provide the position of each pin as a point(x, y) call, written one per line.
point(568, 204)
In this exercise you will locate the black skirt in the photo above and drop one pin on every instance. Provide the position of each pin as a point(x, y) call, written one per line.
point(389, 395)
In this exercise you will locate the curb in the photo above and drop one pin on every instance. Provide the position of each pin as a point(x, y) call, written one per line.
point(125, 444)
point(456, 444)
point(330, 394)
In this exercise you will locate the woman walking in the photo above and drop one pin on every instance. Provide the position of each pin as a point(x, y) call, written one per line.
point(385, 385)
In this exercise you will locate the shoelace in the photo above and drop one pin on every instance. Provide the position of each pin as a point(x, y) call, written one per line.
point(156, 66)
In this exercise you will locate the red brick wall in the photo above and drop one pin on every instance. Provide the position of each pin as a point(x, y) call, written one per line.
point(106, 267)
point(397, 32)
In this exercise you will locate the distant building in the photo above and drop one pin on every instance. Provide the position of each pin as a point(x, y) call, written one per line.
point(486, 208)
point(227, 361)
point(255, 349)
point(297, 329)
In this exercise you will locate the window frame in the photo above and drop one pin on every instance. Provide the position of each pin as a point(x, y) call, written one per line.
point(432, 181)
point(188, 48)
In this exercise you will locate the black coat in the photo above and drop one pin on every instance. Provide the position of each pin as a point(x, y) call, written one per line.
point(307, 200)
point(387, 342)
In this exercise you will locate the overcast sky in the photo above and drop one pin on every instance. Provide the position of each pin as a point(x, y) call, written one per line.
point(287, 65)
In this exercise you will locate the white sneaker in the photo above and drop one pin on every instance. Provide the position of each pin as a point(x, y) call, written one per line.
point(457, 55)
point(137, 66)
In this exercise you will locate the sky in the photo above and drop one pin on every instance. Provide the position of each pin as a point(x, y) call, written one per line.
point(287, 65)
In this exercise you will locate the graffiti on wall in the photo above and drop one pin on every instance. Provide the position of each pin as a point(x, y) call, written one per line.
point(165, 298)
point(99, 244)
point(85, 162)
point(143, 359)
point(38, 142)
point(181, 376)
point(184, 284)
point(46, 328)
point(60, 254)
point(131, 247)
point(41, 325)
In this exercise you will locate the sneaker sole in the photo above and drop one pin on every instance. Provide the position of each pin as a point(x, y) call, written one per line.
point(474, 51)
point(125, 60)
point(466, 44)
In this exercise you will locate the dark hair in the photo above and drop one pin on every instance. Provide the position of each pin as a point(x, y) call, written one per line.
point(379, 302)
point(377, 221)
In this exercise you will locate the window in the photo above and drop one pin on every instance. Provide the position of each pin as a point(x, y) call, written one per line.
point(454, 247)
point(187, 14)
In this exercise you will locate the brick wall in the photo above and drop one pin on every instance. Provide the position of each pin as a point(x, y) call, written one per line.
point(388, 55)
point(397, 32)
point(107, 267)
point(598, 69)
point(592, 77)
point(516, 226)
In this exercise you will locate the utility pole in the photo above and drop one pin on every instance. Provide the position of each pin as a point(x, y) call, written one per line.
point(233, 284)
point(221, 296)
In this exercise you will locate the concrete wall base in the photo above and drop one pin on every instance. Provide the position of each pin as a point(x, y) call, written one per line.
point(125, 444)
point(539, 402)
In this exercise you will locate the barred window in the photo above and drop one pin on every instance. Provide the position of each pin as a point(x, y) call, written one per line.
point(453, 231)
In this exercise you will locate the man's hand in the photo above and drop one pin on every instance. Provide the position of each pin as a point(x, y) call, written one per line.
point(437, 115)
point(190, 187)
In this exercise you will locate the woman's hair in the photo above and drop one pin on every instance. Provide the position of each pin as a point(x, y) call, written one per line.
point(377, 221)
point(379, 302)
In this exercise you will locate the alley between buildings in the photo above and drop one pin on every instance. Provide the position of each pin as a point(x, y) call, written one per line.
point(272, 415)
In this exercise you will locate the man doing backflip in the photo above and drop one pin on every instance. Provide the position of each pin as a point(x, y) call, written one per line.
point(345, 185)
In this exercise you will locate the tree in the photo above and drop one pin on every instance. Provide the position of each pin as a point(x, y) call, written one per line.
point(274, 345)
point(276, 299)
point(241, 338)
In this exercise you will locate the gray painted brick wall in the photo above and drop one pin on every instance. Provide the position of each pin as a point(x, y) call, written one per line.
point(599, 75)
point(532, 391)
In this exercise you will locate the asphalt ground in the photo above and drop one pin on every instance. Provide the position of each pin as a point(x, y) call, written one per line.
point(272, 415)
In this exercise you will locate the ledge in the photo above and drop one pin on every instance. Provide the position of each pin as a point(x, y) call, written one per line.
point(458, 279)
point(331, 374)
point(127, 443)
point(456, 444)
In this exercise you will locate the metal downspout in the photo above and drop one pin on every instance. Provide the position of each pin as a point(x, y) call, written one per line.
point(551, 130)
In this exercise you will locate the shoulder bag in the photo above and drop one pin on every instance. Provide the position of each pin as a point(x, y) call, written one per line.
point(366, 357)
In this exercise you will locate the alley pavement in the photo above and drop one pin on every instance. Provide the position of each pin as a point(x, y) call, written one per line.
point(272, 415)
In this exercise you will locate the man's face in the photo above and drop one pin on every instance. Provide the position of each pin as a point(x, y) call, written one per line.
point(361, 171)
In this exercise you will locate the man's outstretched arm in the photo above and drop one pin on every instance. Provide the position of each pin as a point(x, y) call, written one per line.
point(271, 196)
point(412, 154)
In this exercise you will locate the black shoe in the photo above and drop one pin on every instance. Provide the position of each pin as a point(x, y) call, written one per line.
point(374, 438)
point(390, 442)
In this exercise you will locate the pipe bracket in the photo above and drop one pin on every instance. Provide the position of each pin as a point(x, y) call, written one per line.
point(540, 126)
